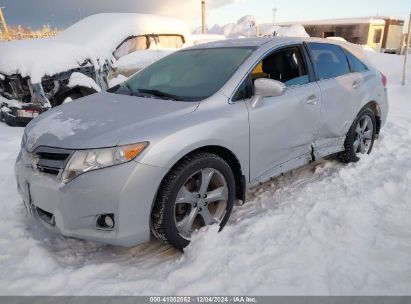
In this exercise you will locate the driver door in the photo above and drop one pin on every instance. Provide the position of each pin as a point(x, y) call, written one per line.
point(283, 128)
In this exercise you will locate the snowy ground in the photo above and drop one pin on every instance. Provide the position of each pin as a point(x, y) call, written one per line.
point(323, 229)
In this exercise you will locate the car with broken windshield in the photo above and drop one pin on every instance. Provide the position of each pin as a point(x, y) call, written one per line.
point(171, 150)
point(89, 56)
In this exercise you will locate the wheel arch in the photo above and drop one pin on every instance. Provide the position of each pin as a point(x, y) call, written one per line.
point(228, 156)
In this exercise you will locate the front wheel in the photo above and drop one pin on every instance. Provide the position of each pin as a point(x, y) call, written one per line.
point(198, 192)
point(360, 137)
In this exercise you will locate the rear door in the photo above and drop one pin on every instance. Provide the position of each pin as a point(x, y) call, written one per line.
point(340, 95)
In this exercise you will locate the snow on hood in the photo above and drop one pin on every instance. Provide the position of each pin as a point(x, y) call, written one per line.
point(102, 120)
point(94, 38)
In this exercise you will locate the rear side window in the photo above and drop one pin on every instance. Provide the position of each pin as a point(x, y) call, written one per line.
point(329, 60)
point(356, 65)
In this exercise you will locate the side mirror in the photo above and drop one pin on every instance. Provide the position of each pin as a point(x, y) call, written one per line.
point(264, 87)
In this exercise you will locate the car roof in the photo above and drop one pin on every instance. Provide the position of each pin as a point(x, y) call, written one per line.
point(274, 41)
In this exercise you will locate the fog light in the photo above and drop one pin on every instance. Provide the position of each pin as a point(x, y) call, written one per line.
point(109, 221)
point(106, 221)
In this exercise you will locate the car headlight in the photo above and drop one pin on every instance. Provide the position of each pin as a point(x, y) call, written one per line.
point(87, 160)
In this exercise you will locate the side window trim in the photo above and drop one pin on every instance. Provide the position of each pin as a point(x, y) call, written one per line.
point(268, 53)
point(309, 63)
point(246, 81)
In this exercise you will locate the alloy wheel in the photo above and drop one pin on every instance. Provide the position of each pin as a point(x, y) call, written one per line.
point(364, 132)
point(201, 201)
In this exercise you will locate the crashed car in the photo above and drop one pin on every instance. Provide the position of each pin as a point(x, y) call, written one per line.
point(97, 52)
point(172, 148)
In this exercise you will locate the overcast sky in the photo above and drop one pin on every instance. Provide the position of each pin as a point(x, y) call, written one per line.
point(62, 13)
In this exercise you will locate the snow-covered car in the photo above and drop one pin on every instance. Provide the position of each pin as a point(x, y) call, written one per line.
point(176, 144)
point(42, 73)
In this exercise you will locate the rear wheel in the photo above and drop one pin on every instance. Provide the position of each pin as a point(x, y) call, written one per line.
point(198, 192)
point(360, 137)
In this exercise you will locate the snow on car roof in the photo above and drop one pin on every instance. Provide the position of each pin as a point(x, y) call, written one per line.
point(94, 38)
point(115, 27)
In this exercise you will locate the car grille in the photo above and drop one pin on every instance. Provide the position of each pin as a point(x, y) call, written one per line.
point(51, 160)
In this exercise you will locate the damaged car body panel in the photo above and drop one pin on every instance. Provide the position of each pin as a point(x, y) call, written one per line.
point(38, 75)
point(267, 111)
point(25, 100)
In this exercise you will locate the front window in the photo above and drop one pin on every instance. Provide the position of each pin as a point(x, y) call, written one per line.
point(188, 75)
point(286, 65)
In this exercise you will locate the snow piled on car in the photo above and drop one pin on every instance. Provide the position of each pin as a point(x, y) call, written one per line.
point(247, 26)
point(91, 40)
point(325, 229)
point(81, 80)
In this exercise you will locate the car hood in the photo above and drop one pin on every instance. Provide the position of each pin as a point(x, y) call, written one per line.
point(38, 57)
point(103, 120)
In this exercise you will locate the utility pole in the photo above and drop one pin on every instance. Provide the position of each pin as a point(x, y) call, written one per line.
point(407, 46)
point(203, 17)
point(3, 21)
point(274, 12)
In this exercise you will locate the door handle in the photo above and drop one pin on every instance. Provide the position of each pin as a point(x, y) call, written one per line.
point(312, 100)
point(356, 84)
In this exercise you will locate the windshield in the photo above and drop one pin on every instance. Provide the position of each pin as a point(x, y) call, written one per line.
point(144, 42)
point(188, 75)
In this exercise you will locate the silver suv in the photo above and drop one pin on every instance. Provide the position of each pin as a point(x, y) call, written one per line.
point(171, 149)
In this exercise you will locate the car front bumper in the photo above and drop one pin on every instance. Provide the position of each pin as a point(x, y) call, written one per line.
point(127, 191)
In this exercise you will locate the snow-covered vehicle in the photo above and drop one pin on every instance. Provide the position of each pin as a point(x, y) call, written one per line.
point(87, 57)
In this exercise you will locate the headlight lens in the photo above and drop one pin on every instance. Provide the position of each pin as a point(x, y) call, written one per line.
point(87, 160)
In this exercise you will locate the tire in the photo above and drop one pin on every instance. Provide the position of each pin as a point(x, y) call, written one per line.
point(196, 181)
point(358, 141)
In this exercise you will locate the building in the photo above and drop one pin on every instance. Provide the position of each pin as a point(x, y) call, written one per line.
point(379, 33)
point(393, 35)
